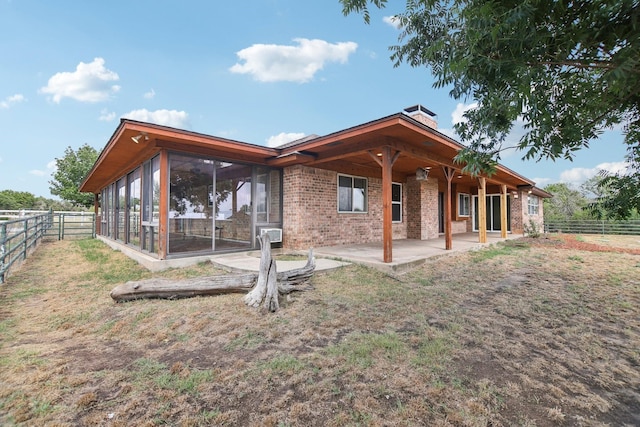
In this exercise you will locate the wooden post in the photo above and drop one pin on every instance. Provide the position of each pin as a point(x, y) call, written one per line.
point(387, 216)
point(96, 214)
point(503, 211)
point(163, 205)
point(482, 209)
point(448, 233)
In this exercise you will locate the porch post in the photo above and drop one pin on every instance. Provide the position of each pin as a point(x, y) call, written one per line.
point(448, 233)
point(163, 205)
point(96, 217)
point(387, 178)
point(503, 211)
point(482, 209)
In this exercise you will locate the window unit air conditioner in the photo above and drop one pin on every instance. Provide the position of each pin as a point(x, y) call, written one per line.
point(275, 234)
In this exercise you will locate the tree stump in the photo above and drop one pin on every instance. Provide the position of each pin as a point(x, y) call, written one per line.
point(263, 288)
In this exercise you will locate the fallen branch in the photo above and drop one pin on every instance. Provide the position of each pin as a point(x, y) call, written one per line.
point(287, 282)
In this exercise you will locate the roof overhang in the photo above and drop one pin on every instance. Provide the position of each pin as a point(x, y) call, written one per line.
point(351, 151)
point(134, 142)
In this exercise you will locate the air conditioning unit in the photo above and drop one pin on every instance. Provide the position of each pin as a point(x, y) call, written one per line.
point(275, 234)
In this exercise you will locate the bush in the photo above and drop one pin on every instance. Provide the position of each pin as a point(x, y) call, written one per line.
point(532, 229)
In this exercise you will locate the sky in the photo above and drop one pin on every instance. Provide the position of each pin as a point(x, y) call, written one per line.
point(264, 72)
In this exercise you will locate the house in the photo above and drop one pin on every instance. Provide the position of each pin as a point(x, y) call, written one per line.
point(171, 193)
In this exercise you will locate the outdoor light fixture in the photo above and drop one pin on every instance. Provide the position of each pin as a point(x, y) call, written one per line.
point(137, 139)
point(422, 174)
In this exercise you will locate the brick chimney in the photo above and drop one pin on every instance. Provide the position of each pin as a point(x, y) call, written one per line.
point(423, 115)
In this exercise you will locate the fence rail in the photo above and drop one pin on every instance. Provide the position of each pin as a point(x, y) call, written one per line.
point(22, 231)
point(631, 227)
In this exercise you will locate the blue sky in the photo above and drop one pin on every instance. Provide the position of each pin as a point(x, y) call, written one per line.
point(263, 72)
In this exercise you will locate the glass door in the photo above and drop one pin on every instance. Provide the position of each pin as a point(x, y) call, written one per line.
point(493, 202)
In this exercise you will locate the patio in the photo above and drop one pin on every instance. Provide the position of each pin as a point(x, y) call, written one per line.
point(407, 254)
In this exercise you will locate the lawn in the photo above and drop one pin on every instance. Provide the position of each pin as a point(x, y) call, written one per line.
point(532, 332)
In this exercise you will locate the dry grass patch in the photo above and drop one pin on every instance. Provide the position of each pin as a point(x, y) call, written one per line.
point(521, 333)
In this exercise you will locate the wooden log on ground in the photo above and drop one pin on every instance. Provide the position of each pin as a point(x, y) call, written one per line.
point(172, 289)
point(287, 282)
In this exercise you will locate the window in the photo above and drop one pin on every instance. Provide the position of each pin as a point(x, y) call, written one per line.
point(352, 194)
point(534, 205)
point(396, 202)
point(464, 203)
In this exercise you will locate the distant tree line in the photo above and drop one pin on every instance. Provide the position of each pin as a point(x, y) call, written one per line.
point(589, 201)
point(16, 200)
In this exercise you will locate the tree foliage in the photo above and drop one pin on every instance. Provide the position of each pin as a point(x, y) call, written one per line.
point(12, 200)
point(71, 170)
point(565, 204)
point(16, 200)
point(565, 70)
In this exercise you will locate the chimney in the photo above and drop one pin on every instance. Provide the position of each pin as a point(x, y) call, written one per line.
point(423, 115)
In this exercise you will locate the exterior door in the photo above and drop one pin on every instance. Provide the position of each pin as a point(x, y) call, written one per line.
point(493, 202)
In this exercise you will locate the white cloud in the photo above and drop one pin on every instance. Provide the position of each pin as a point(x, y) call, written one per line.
point(173, 118)
point(457, 114)
point(542, 182)
point(107, 116)
point(272, 63)
point(577, 176)
point(150, 94)
point(283, 138)
point(88, 83)
point(11, 100)
point(50, 168)
point(392, 21)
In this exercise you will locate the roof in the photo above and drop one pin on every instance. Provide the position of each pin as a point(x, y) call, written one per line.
point(352, 150)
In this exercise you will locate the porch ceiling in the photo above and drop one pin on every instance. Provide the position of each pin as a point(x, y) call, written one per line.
point(353, 150)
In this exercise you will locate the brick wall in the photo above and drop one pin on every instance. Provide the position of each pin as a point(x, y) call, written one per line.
point(538, 219)
point(422, 206)
point(311, 218)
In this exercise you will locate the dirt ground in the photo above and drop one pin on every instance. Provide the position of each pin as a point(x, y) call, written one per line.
point(529, 332)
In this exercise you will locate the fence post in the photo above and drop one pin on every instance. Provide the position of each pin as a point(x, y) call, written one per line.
point(603, 227)
point(3, 241)
point(26, 239)
point(60, 226)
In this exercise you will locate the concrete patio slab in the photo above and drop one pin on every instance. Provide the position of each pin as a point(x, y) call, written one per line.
point(407, 253)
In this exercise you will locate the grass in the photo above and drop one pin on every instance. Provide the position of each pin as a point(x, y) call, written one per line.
point(521, 333)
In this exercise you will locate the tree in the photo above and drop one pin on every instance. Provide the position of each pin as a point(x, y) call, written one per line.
point(566, 203)
point(12, 200)
point(619, 196)
point(71, 170)
point(566, 70)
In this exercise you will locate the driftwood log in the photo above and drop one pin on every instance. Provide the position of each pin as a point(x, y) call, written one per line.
point(263, 288)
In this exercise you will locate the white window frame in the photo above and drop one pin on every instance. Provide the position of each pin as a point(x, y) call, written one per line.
point(461, 197)
point(533, 205)
point(366, 193)
point(396, 202)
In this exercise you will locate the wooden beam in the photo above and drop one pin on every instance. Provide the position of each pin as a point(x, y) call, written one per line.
point(349, 168)
point(482, 209)
point(448, 229)
point(503, 211)
point(375, 157)
point(214, 152)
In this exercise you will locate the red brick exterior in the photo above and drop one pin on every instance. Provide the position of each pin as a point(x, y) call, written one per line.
point(311, 216)
point(422, 207)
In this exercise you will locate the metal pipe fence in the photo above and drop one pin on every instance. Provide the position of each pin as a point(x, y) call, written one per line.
point(630, 227)
point(21, 232)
